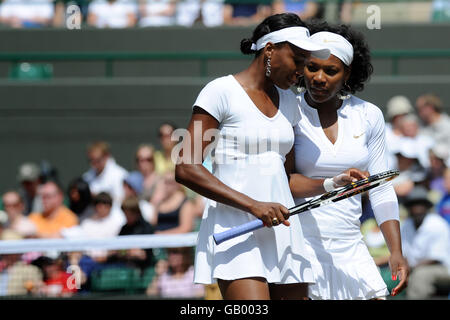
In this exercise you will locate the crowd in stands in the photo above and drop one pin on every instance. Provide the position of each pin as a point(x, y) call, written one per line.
point(107, 201)
point(418, 143)
point(104, 202)
point(210, 13)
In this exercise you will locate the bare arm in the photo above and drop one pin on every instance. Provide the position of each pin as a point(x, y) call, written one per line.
point(192, 174)
point(399, 266)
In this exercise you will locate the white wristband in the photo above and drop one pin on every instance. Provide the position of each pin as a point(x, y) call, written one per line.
point(328, 184)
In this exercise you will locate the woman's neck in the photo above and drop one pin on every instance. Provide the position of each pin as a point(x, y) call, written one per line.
point(325, 107)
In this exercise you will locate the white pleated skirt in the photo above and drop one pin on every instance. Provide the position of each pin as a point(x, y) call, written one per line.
point(344, 270)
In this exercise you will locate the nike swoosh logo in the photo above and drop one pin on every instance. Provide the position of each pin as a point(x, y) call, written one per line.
point(356, 137)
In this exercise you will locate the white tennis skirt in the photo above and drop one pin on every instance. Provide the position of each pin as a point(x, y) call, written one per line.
point(344, 270)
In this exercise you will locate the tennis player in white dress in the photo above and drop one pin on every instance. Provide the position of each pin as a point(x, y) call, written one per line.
point(336, 131)
point(251, 115)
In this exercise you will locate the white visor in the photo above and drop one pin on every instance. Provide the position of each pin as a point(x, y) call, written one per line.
point(298, 36)
point(338, 45)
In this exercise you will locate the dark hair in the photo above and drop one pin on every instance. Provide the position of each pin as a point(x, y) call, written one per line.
point(270, 24)
point(84, 191)
point(103, 197)
point(361, 67)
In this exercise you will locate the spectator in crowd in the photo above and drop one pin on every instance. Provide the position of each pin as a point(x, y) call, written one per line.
point(175, 212)
point(443, 206)
point(177, 280)
point(100, 225)
point(29, 179)
point(163, 158)
point(26, 13)
point(17, 277)
point(145, 163)
point(17, 221)
point(397, 108)
point(208, 12)
point(80, 198)
point(57, 282)
point(112, 13)
point(157, 13)
point(409, 127)
point(246, 13)
point(437, 123)
point(411, 171)
point(304, 9)
point(135, 225)
point(438, 156)
point(54, 216)
point(5, 232)
point(133, 187)
point(105, 174)
point(426, 245)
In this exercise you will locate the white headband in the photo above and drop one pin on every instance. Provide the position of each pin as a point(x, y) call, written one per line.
point(338, 45)
point(298, 36)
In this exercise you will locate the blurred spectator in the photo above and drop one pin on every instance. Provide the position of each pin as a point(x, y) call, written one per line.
point(426, 245)
point(56, 280)
point(163, 158)
point(397, 108)
point(5, 232)
point(409, 126)
point(135, 225)
point(112, 13)
point(438, 156)
point(156, 13)
point(437, 123)
point(440, 11)
point(145, 163)
point(443, 207)
point(243, 13)
point(176, 281)
point(304, 9)
point(175, 212)
point(17, 221)
point(102, 224)
point(105, 174)
point(17, 277)
point(55, 216)
point(80, 198)
point(133, 187)
point(208, 12)
point(26, 13)
point(411, 171)
point(29, 178)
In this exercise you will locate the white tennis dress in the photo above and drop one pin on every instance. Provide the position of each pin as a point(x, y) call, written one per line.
point(343, 266)
point(249, 157)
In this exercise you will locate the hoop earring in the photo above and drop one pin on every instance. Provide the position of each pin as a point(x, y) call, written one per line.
point(268, 66)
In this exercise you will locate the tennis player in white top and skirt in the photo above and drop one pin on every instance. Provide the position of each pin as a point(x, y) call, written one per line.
point(251, 115)
point(336, 131)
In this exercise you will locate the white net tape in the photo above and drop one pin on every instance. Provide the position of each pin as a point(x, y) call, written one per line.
point(115, 243)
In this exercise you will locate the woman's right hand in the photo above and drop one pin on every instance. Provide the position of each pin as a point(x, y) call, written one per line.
point(268, 211)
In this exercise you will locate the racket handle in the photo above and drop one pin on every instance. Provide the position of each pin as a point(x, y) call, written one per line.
point(237, 231)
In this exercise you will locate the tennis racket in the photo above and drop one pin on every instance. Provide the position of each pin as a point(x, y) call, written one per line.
point(338, 194)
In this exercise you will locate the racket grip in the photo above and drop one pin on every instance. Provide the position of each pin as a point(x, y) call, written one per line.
point(237, 231)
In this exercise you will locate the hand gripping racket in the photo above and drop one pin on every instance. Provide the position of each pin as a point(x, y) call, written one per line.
point(344, 192)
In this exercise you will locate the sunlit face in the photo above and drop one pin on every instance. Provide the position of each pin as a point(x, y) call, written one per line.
point(97, 159)
point(324, 78)
point(52, 197)
point(287, 64)
point(13, 204)
point(145, 160)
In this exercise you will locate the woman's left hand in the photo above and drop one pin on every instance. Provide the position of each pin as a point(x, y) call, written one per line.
point(399, 270)
point(348, 176)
